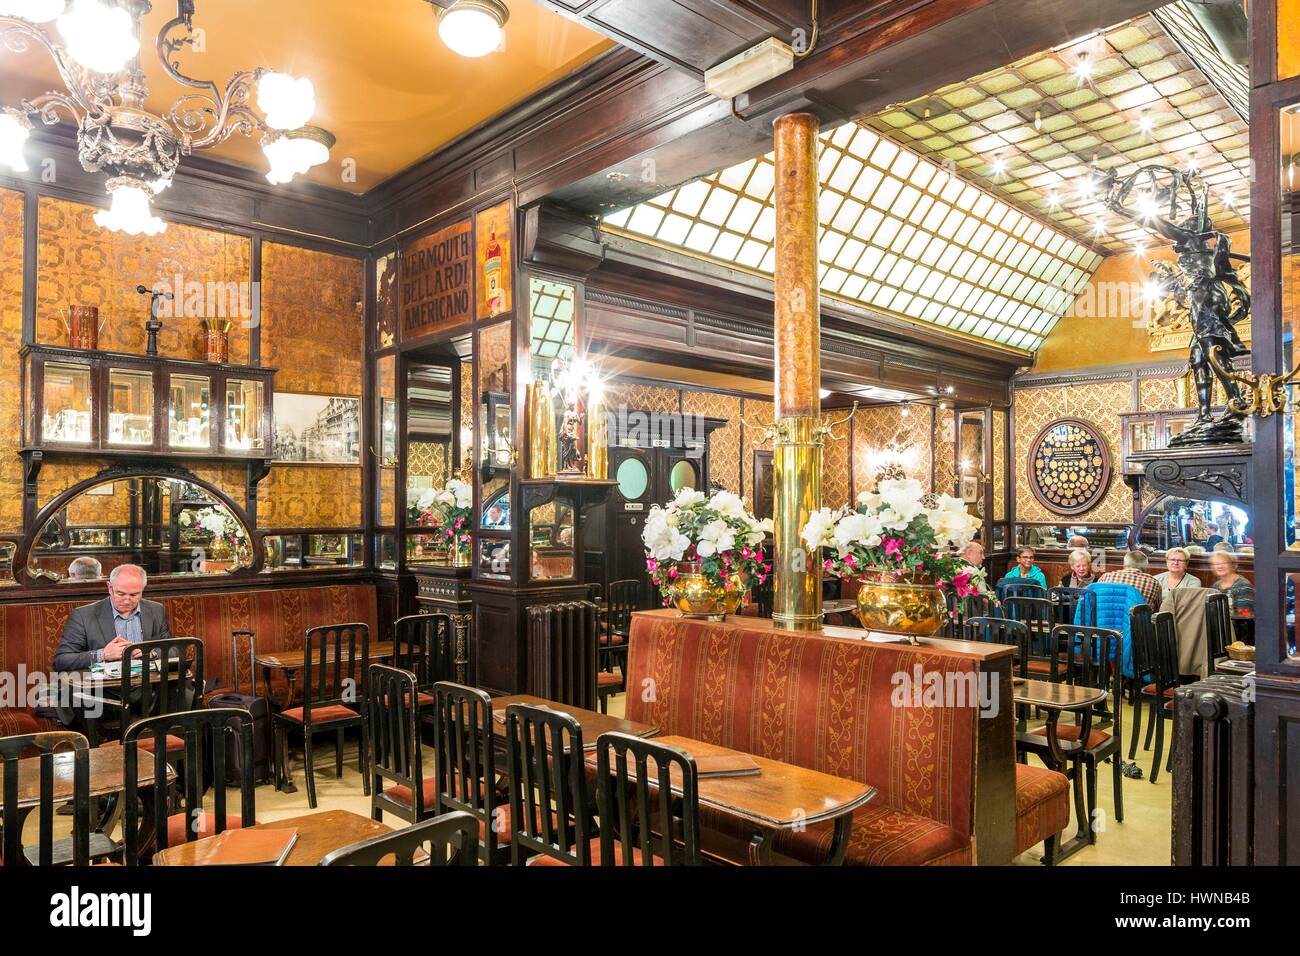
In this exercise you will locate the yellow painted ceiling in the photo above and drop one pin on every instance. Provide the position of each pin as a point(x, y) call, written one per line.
point(386, 85)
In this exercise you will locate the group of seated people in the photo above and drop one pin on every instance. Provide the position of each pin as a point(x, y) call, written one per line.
point(1083, 572)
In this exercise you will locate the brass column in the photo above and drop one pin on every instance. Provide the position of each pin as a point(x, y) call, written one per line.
point(797, 453)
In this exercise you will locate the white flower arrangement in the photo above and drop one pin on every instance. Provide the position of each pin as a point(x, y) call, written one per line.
point(718, 531)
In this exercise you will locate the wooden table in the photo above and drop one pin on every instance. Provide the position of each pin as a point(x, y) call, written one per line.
point(1056, 699)
point(781, 796)
point(107, 779)
point(593, 723)
point(319, 835)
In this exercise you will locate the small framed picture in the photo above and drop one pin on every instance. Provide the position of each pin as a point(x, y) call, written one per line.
point(970, 489)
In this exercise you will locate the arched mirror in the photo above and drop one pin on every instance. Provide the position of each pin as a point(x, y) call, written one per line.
point(1197, 525)
point(168, 526)
point(682, 476)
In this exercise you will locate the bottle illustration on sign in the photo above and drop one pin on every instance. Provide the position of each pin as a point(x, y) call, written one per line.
point(493, 275)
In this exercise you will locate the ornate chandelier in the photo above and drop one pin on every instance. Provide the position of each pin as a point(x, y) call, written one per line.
point(98, 60)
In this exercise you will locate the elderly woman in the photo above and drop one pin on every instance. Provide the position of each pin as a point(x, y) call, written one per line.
point(1080, 575)
point(1176, 577)
point(1241, 595)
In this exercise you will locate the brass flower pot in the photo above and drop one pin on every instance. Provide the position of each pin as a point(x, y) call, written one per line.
point(891, 603)
point(694, 595)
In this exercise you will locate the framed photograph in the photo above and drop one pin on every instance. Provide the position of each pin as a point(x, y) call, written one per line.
point(317, 429)
point(970, 489)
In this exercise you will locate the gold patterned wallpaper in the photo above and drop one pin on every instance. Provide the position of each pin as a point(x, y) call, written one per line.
point(82, 264)
point(756, 413)
point(837, 477)
point(310, 496)
point(427, 460)
point(11, 337)
point(999, 465)
point(945, 458)
point(878, 427)
point(724, 442)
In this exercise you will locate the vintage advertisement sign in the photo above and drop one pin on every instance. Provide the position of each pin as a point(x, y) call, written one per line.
point(495, 276)
point(437, 281)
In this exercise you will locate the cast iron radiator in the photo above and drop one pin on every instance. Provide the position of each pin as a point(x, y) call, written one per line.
point(562, 644)
point(1214, 772)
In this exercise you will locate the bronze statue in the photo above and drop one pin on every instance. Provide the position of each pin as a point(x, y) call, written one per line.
point(1202, 280)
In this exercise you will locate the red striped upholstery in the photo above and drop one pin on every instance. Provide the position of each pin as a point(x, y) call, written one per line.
point(823, 703)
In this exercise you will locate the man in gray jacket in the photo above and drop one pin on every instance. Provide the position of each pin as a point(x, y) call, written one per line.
point(99, 632)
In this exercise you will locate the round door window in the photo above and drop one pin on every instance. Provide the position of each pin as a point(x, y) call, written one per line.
point(632, 478)
point(682, 476)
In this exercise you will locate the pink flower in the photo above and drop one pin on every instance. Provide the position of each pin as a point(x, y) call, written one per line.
point(848, 559)
point(961, 583)
point(827, 564)
point(894, 547)
point(672, 572)
point(651, 564)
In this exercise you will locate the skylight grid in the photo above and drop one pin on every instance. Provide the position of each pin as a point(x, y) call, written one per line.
point(898, 233)
point(552, 318)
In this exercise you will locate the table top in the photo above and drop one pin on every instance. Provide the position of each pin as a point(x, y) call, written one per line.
point(780, 795)
point(593, 724)
point(1056, 696)
point(838, 607)
point(106, 775)
point(319, 835)
point(296, 660)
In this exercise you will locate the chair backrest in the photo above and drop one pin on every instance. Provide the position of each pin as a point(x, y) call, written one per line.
point(1019, 587)
point(204, 732)
point(393, 712)
point(1218, 628)
point(624, 598)
point(762, 595)
point(563, 642)
point(16, 782)
point(550, 809)
point(464, 743)
point(177, 685)
point(1035, 613)
point(1142, 635)
point(995, 630)
point(975, 605)
point(424, 645)
point(1164, 651)
point(446, 840)
point(1091, 658)
point(1069, 603)
point(627, 802)
point(334, 661)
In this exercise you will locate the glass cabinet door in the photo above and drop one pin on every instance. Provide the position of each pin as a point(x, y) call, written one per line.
point(67, 403)
point(130, 407)
point(189, 412)
point(244, 406)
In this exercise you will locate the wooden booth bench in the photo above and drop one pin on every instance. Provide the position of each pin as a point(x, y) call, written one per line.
point(945, 775)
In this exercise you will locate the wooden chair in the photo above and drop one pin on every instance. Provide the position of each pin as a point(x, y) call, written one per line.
point(624, 598)
point(397, 785)
point(47, 852)
point(1142, 637)
point(333, 692)
point(1010, 587)
point(1093, 655)
point(424, 644)
point(203, 735)
point(977, 605)
point(177, 687)
point(998, 630)
point(762, 595)
point(1218, 629)
point(445, 840)
point(1159, 694)
point(550, 805)
point(1036, 614)
point(1066, 604)
point(631, 808)
point(465, 777)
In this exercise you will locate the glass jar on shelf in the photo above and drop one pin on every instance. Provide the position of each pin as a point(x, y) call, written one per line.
point(189, 412)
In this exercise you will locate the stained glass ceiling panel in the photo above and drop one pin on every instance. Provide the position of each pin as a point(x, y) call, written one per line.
point(1128, 96)
point(899, 233)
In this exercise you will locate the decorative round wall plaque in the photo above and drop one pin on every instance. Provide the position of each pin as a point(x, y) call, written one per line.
point(1069, 466)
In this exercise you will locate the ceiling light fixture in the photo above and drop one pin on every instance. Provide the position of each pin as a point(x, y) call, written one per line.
point(999, 167)
point(1083, 68)
point(116, 134)
point(473, 28)
point(1145, 123)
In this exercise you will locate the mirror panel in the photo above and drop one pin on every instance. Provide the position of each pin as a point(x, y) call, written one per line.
point(166, 525)
point(550, 535)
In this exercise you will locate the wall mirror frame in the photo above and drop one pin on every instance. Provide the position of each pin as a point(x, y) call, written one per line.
point(214, 497)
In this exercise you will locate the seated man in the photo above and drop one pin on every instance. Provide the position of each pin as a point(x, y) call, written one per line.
point(100, 632)
point(1135, 573)
point(974, 553)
